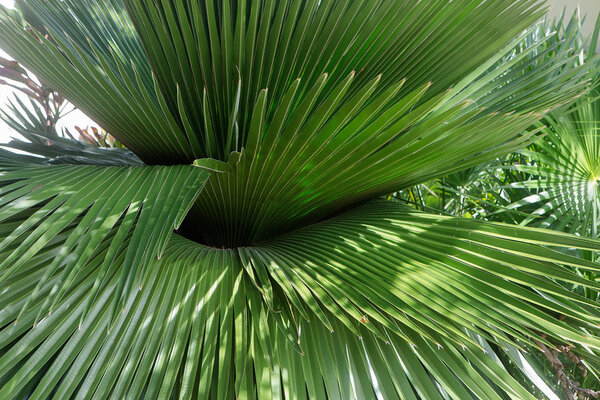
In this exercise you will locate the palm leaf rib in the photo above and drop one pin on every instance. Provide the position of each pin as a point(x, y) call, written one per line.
point(238, 250)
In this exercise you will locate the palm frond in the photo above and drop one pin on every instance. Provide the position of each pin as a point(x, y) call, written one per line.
point(371, 318)
point(564, 171)
point(97, 204)
point(224, 55)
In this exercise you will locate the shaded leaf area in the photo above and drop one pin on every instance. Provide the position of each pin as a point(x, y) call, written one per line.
point(269, 321)
point(316, 105)
point(555, 179)
point(61, 150)
point(314, 160)
point(10, 160)
point(178, 80)
point(94, 205)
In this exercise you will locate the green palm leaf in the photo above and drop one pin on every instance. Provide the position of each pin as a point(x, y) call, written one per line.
point(285, 279)
point(206, 329)
point(563, 168)
point(96, 203)
point(565, 180)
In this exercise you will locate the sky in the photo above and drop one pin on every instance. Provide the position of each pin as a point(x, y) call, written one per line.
point(590, 7)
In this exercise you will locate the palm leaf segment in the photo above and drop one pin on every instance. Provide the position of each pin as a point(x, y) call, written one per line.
point(306, 104)
point(564, 167)
point(566, 191)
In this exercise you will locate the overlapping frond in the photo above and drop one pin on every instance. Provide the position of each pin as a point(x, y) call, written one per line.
point(386, 262)
point(92, 64)
point(334, 310)
point(183, 83)
point(312, 159)
point(562, 169)
point(98, 204)
point(29, 122)
point(317, 105)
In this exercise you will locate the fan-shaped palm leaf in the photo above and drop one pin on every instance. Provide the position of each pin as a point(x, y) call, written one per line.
point(564, 167)
point(566, 174)
point(278, 284)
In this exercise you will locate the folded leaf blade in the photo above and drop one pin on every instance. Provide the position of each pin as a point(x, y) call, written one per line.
point(143, 203)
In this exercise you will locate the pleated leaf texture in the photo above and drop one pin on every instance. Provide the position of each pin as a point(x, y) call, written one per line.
point(565, 172)
point(245, 248)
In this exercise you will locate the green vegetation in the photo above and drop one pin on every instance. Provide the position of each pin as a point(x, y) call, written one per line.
point(300, 199)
